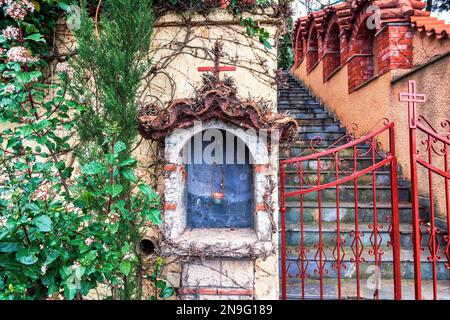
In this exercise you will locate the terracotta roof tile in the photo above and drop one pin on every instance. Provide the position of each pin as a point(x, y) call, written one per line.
point(431, 25)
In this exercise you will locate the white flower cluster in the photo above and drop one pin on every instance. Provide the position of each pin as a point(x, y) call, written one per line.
point(71, 208)
point(11, 33)
point(10, 89)
point(18, 9)
point(43, 269)
point(89, 241)
point(129, 256)
point(56, 297)
point(3, 221)
point(76, 265)
point(63, 67)
point(20, 54)
point(112, 218)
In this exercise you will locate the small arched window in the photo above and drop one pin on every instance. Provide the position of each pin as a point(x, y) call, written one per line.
point(332, 52)
point(362, 65)
point(312, 53)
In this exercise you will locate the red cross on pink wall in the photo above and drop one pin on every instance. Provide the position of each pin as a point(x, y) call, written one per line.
point(412, 98)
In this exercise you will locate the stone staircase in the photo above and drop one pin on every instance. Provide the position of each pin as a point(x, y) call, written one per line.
point(315, 120)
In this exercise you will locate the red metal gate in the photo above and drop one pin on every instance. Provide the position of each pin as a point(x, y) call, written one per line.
point(343, 159)
point(430, 165)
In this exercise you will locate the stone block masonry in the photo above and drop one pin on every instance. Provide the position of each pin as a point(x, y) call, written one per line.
point(218, 279)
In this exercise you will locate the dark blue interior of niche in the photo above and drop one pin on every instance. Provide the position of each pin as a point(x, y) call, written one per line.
point(236, 210)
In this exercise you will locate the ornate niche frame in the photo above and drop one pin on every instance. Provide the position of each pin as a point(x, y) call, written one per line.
point(217, 106)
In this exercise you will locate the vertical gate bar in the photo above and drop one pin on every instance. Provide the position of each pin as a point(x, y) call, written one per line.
point(432, 233)
point(375, 222)
point(395, 217)
point(415, 211)
point(338, 227)
point(283, 234)
point(357, 256)
point(319, 197)
point(302, 242)
point(447, 205)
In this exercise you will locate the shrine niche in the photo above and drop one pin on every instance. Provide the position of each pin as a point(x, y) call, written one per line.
point(219, 208)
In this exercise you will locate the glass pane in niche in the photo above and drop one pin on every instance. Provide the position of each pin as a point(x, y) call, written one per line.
point(220, 195)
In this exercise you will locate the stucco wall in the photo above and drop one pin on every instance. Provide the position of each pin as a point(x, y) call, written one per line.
point(177, 52)
point(434, 81)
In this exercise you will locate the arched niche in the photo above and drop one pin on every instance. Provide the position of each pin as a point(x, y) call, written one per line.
point(252, 237)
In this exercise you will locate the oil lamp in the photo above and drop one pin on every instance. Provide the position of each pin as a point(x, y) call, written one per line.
point(218, 196)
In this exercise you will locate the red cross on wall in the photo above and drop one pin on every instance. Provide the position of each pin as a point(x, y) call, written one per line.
point(217, 68)
point(412, 98)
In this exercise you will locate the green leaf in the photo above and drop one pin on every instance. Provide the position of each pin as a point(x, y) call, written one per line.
point(9, 247)
point(114, 190)
point(119, 147)
point(125, 267)
point(160, 284)
point(27, 256)
point(64, 6)
point(43, 223)
point(128, 173)
point(70, 291)
point(51, 256)
point(93, 168)
point(128, 162)
point(167, 292)
point(30, 28)
point(36, 37)
point(154, 214)
point(148, 191)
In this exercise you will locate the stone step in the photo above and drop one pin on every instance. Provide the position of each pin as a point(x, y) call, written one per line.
point(310, 127)
point(367, 265)
point(325, 143)
point(296, 151)
point(329, 231)
point(348, 289)
point(347, 194)
point(294, 109)
point(293, 94)
point(317, 121)
point(293, 103)
point(346, 162)
point(292, 178)
point(308, 136)
point(302, 110)
point(310, 116)
point(346, 212)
